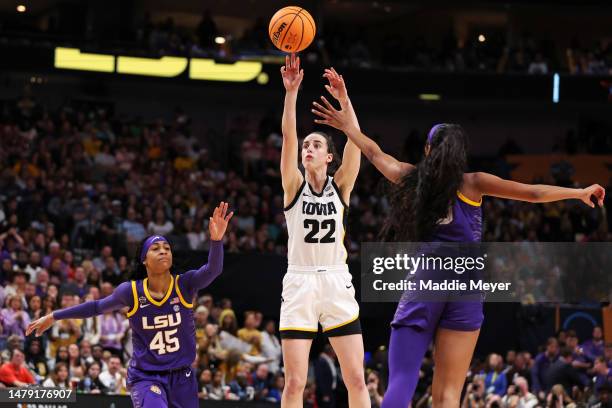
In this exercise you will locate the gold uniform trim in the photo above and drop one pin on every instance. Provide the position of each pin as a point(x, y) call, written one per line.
point(148, 295)
point(180, 295)
point(135, 294)
point(468, 201)
point(299, 329)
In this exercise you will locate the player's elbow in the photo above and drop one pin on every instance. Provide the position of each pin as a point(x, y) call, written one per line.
point(535, 195)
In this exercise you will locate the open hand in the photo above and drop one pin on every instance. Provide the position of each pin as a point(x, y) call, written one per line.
point(328, 115)
point(291, 73)
point(40, 325)
point(336, 87)
point(218, 222)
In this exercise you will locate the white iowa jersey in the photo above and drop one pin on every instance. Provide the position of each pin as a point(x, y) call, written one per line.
point(316, 226)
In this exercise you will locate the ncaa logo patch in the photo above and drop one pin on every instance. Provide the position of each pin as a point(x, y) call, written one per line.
point(142, 300)
point(176, 308)
point(155, 389)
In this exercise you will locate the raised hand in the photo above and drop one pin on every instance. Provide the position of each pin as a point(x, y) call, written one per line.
point(336, 87)
point(218, 222)
point(596, 191)
point(339, 119)
point(291, 73)
point(40, 325)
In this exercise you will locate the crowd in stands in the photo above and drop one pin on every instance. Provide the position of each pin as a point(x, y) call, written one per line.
point(364, 48)
point(500, 50)
point(80, 188)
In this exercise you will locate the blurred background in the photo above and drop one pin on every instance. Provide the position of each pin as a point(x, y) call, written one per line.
point(96, 153)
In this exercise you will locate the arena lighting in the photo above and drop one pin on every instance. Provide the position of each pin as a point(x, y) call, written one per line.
point(21, 8)
point(208, 69)
point(219, 40)
point(556, 82)
point(430, 97)
point(72, 58)
point(167, 67)
point(482, 38)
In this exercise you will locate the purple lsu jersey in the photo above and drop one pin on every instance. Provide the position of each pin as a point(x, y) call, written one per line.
point(163, 330)
point(463, 224)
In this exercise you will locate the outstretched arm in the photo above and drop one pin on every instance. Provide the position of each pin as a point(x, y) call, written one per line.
point(120, 298)
point(290, 175)
point(194, 280)
point(488, 184)
point(393, 169)
point(347, 173)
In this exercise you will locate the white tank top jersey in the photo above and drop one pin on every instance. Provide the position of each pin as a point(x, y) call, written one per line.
point(316, 224)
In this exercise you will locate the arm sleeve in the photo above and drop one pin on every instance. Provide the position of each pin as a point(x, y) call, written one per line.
point(122, 296)
point(194, 280)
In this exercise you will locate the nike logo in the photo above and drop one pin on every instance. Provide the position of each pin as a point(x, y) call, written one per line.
point(143, 306)
point(349, 286)
point(188, 374)
point(306, 195)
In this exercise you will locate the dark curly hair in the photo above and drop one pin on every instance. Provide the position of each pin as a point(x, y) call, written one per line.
point(424, 195)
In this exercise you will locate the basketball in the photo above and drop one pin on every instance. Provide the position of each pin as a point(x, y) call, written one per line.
point(292, 29)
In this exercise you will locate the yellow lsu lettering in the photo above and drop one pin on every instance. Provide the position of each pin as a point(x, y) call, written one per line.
point(167, 67)
point(160, 322)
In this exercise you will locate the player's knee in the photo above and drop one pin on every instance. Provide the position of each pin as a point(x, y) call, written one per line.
point(354, 381)
point(294, 384)
point(445, 398)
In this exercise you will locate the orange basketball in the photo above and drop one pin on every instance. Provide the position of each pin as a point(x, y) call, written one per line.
point(292, 29)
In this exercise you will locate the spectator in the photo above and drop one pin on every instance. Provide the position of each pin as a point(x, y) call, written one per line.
point(61, 356)
point(35, 308)
point(271, 347)
point(112, 333)
point(205, 384)
point(526, 399)
point(558, 397)
point(59, 377)
point(375, 389)
point(495, 380)
point(75, 364)
point(91, 383)
point(239, 387)
point(215, 391)
point(562, 373)
point(249, 333)
point(519, 368)
point(14, 319)
point(36, 360)
point(15, 373)
point(326, 377)
point(542, 362)
point(603, 374)
point(114, 377)
point(595, 346)
point(261, 382)
point(276, 391)
point(161, 226)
